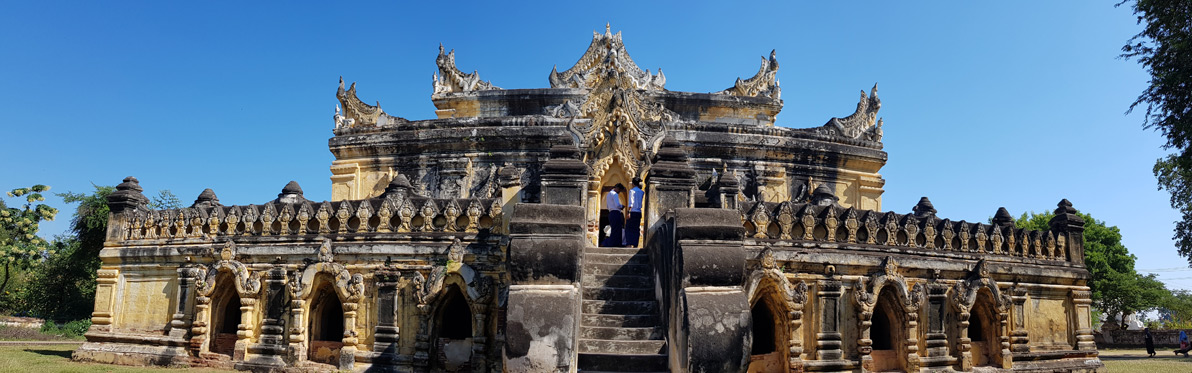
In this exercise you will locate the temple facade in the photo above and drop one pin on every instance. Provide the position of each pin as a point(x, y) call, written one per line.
point(469, 242)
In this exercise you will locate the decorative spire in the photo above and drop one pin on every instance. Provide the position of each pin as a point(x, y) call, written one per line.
point(924, 208)
point(1003, 218)
point(206, 199)
point(127, 196)
point(823, 196)
point(399, 186)
point(291, 193)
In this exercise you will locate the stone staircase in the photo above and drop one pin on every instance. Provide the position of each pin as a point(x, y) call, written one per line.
point(621, 328)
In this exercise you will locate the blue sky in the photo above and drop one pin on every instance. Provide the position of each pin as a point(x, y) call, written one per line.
point(985, 105)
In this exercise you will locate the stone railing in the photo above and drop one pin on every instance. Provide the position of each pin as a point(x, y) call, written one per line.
point(396, 211)
point(922, 230)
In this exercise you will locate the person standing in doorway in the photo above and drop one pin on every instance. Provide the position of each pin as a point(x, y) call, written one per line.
point(633, 227)
point(616, 218)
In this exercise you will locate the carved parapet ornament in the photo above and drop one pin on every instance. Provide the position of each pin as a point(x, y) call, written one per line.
point(763, 84)
point(862, 124)
point(450, 79)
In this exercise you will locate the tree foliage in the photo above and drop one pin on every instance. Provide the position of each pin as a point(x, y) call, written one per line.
point(20, 246)
point(1164, 49)
point(1117, 288)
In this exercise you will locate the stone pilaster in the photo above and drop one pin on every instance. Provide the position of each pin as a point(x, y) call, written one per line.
point(184, 315)
point(1081, 302)
point(1019, 339)
point(829, 340)
point(386, 333)
point(105, 290)
point(271, 347)
point(937, 334)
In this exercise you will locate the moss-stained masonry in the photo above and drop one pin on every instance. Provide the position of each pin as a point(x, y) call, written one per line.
point(468, 243)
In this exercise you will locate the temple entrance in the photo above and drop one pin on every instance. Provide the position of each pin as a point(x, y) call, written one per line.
point(887, 332)
point(452, 335)
point(225, 316)
point(615, 174)
point(983, 331)
point(769, 338)
point(326, 326)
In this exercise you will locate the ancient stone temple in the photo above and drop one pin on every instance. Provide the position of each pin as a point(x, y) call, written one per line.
point(469, 242)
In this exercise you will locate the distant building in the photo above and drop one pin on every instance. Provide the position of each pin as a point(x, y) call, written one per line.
point(468, 243)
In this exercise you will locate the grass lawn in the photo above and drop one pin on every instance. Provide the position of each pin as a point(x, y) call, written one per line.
point(56, 358)
point(1135, 360)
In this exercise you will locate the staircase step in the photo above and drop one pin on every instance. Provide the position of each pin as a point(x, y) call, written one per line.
point(614, 250)
point(594, 363)
point(602, 346)
point(619, 321)
point(620, 307)
point(591, 258)
point(617, 281)
point(623, 294)
point(620, 333)
point(618, 269)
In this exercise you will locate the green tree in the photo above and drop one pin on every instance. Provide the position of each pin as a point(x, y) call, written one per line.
point(1164, 49)
point(165, 199)
point(1117, 288)
point(20, 246)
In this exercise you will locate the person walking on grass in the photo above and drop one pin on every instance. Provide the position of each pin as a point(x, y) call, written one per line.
point(1150, 342)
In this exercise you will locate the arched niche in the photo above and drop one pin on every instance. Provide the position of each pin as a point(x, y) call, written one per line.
point(226, 315)
point(225, 298)
point(771, 335)
point(984, 330)
point(888, 331)
point(325, 325)
point(452, 331)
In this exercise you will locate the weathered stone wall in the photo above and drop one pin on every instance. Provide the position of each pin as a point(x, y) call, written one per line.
point(1118, 338)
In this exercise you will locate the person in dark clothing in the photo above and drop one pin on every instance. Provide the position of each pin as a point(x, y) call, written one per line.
point(1150, 342)
point(616, 216)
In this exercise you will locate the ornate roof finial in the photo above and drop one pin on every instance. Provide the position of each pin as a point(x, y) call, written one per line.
point(291, 193)
point(924, 208)
point(127, 196)
point(608, 28)
point(206, 199)
point(823, 196)
point(1003, 218)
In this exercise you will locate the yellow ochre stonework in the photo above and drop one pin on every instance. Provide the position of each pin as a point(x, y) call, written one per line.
point(477, 241)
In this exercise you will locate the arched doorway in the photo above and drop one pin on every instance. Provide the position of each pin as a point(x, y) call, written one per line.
point(605, 181)
point(888, 332)
point(225, 316)
point(983, 331)
point(326, 325)
point(452, 333)
point(769, 335)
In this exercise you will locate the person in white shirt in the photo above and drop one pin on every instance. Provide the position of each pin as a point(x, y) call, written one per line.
point(633, 228)
point(616, 218)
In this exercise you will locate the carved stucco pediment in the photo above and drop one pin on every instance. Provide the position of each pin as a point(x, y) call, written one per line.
point(606, 51)
point(615, 121)
point(225, 260)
